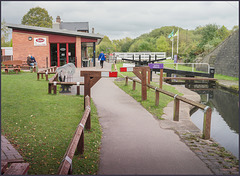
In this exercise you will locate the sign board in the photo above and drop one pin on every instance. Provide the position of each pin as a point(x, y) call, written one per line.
point(40, 41)
point(175, 59)
point(156, 66)
point(126, 69)
point(109, 74)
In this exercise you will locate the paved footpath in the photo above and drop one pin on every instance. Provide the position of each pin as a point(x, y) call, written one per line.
point(133, 141)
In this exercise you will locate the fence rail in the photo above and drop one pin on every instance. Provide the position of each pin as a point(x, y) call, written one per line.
point(77, 143)
point(177, 99)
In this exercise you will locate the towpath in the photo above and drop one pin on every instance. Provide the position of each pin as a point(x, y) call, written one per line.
point(133, 141)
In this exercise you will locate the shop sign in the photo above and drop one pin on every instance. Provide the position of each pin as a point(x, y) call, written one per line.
point(62, 49)
point(40, 41)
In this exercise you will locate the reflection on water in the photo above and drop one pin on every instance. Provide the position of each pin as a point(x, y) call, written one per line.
point(225, 117)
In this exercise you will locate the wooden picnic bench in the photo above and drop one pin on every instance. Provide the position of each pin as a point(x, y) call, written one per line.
point(14, 65)
point(14, 168)
point(25, 66)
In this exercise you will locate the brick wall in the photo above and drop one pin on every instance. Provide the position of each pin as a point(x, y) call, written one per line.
point(22, 47)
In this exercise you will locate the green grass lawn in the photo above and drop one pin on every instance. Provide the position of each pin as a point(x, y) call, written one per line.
point(41, 126)
point(149, 104)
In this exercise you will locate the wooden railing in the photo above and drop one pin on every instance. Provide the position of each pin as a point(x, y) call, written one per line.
point(77, 142)
point(177, 99)
point(46, 72)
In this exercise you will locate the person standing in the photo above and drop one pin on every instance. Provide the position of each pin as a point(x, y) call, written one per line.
point(101, 57)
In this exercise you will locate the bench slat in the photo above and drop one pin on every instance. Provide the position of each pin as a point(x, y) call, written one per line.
point(4, 165)
point(17, 169)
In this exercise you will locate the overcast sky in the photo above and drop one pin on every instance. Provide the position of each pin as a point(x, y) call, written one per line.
point(120, 19)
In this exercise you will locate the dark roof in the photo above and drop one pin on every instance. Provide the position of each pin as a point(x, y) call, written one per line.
point(75, 26)
point(56, 31)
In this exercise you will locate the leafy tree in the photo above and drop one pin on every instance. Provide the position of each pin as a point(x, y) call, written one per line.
point(4, 35)
point(208, 33)
point(161, 44)
point(106, 46)
point(223, 33)
point(236, 27)
point(126, 45)
point(37, 17)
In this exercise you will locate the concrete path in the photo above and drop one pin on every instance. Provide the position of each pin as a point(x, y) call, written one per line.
point(133, 141)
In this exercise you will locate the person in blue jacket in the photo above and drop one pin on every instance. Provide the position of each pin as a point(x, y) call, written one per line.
point(101, 57)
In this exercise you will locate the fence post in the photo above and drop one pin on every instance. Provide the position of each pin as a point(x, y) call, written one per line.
point(144, 84)
point(161, 79)
point(207, 122)
point(126, 81)
point(88, 122)
point(134, 85)
point(176, 109)
point(156, 97)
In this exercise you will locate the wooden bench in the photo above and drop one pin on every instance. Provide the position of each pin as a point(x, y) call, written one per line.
point(14, 169)
point(14, 65)
point(25, 66)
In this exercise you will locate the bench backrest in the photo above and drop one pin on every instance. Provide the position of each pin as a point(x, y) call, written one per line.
point(14, 62)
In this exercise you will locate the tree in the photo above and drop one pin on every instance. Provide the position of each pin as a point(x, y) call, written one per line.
point(37, 17)
point(161, 44)
point(208, 33)
point(106, 46)
point(4, 35)
point(223, 32)
point(236, 27)
point(126, 45)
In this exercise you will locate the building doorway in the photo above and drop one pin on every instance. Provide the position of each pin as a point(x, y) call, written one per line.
point(62, 53)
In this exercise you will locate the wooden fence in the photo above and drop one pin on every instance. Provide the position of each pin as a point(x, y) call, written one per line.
point(77, 143)
point(177, 99)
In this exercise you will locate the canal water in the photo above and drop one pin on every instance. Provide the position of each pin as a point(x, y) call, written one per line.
point(225, 117)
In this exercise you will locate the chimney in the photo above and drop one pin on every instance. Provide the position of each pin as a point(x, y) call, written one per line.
point(58, 19)
point(93, 30)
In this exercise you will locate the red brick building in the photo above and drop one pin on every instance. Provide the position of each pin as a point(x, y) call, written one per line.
point(52, 46)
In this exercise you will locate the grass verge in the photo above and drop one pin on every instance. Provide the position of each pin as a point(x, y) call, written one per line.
point(41, 126)
point(149, 104)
